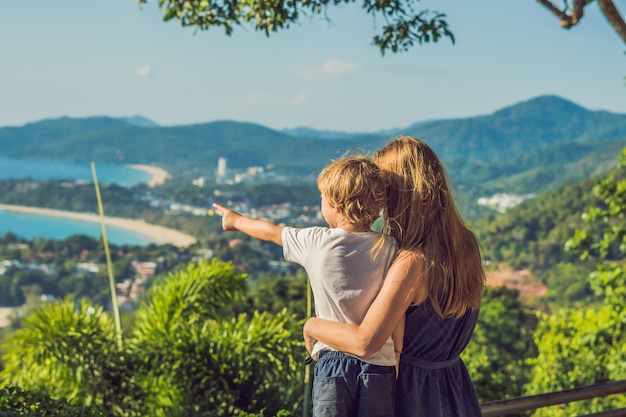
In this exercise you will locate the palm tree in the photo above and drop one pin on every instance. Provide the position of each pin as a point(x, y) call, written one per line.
point(189, 354)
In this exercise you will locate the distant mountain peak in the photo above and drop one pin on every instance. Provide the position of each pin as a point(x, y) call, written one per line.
point(140, 121)
point(548, 104)
point(307, 132)
point(552, 100)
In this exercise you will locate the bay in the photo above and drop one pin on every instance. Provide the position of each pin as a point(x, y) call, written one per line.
point(30, 226)
point(42, 170)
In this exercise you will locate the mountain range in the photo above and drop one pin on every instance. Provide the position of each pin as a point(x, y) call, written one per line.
point(531, 146)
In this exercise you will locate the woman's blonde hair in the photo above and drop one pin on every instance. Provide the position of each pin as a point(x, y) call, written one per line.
point(355, 185)
point(422, 215)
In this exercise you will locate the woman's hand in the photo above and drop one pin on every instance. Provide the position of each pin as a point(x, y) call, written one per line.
point(309, 341)
point(402, 286)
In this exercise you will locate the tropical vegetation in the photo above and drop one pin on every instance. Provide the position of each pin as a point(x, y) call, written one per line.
point(209, 340)
point(188, 352)
point(221, 336)
point(583, 346)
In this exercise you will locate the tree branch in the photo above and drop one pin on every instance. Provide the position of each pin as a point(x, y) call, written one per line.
point(564, 18)
point(567, 19)
point(577, 12)
point(571, 17)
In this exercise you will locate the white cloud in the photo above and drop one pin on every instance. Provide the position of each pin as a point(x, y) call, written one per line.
point(300, 98)
point(144, 71)
point(415, 70)
point(257, 98)
point(338, 68)
point(331, 69)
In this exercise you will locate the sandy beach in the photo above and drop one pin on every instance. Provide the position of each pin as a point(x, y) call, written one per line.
point(158, 234)
point(159, 175)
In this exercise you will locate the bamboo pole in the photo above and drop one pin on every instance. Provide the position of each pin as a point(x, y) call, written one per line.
point(115, 306)
point(307, 369)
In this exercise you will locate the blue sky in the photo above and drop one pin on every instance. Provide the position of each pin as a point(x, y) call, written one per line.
point(82, 58)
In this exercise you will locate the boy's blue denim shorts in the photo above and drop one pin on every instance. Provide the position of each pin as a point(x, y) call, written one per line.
point(344, 386)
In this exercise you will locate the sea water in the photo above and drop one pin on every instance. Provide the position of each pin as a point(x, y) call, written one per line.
point(38, 170)
point(30, 226)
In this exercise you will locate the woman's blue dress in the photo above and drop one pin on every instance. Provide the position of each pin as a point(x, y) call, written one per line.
point(433, 381)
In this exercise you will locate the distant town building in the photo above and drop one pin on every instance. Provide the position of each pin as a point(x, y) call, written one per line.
point(279, 266)
point(129, 292)
point(204, 253)
point(502, 202)
point(199, 182)
point(220, 173)
point(88, 267)
point(8, 265)
point(145, 269)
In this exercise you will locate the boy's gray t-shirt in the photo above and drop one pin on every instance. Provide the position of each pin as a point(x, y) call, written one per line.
point(344, 275)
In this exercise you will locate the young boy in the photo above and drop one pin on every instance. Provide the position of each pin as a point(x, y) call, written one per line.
point(346, 263)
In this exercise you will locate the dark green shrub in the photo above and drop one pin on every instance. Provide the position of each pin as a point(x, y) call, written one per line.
point(16, 402)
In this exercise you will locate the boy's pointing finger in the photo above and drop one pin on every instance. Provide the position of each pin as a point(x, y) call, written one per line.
point(219, 210)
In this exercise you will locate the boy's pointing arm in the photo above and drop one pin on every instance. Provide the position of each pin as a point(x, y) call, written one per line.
point(258, 229)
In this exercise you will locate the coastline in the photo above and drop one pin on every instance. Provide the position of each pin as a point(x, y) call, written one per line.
point(157, 234)
point(159, 175)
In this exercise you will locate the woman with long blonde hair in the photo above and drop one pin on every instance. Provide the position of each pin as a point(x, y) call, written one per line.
point(436, 283)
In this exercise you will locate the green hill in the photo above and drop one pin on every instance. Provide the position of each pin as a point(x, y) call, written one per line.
point(533, 235)
point(520, 128)
point(530, 147)
point(109, 140)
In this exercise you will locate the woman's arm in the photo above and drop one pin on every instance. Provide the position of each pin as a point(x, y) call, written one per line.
point(398, 341)
point(398, 337)
point(400, 289)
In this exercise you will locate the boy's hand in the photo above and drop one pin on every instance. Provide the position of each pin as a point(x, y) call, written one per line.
point(229, 217)
point(258, 229)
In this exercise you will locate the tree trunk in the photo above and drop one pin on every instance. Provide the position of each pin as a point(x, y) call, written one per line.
point(613, 16)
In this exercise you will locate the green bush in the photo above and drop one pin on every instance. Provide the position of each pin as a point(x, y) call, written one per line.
point(189, 353)
point(17, 402)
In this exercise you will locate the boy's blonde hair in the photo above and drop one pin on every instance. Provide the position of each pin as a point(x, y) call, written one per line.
point(355, 185)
